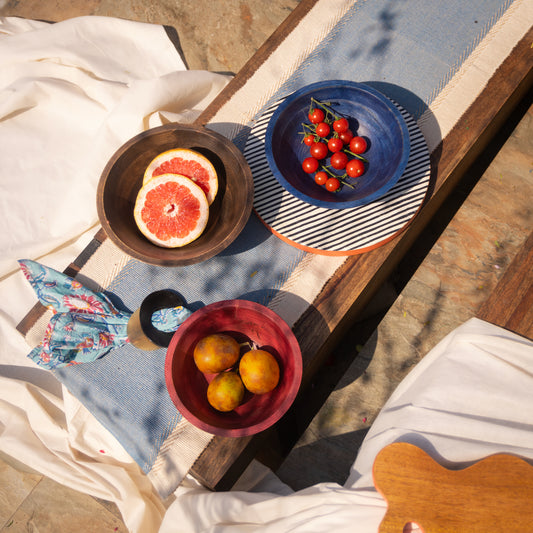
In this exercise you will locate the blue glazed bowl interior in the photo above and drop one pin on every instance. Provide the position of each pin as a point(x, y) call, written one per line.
point(370, 114)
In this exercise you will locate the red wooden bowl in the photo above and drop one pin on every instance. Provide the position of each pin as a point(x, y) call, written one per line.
point(245, 321)
point(123, 175)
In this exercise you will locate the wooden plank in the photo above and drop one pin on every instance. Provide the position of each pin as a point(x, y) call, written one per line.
point(510, 304)
point(350, 290)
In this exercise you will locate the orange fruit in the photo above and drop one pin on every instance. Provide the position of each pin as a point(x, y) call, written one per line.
point(215, 353)
point(225, 392)
point(187, 163)
point(171, 210)
point(259, 371)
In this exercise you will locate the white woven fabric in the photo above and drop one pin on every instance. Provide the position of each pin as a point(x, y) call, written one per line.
point(71, 93)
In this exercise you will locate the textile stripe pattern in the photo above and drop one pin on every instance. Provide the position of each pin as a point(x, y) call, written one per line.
point(353, 230)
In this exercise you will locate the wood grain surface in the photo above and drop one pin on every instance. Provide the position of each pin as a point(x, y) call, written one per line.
point(493, 494)
point(510, 304)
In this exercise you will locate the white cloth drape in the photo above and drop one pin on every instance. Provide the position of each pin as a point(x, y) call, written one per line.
point(71, 93)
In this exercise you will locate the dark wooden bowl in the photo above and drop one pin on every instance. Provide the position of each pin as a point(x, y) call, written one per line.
point(123, 175)
point(245, 321)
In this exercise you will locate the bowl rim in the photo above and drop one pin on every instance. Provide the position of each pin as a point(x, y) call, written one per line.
point(287, 400)
point(348, 203)
point(235, 229)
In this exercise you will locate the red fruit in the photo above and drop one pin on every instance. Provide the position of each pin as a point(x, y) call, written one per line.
point(335, 144)
point(318, 150)
point(309, 139)
point(171, 210)
point(321, 177)
point(355, 168)
point(340, 125)
point(333, 184)
point(358, 145)
point(316, 116)
point(310, 165)
point(338, 160)
point(322, 129)
point(346, 136)
point(188, 163)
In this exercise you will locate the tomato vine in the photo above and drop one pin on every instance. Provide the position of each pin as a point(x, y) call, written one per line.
point(332, 147)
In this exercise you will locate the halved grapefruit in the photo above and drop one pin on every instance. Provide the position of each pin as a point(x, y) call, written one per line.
point(187, 163)
point(171, 210)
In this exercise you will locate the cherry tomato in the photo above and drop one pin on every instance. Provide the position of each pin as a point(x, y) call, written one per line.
point(319, 150)
point(321, 177)
point(333, 184)
point(310, 164)
point(355, 168)
point(358, 145)
point(338, 160)
point(309, 139)
point(335, 144)
point(316, 115)
point(322, 129)
point(340, 125)
point(346, 136)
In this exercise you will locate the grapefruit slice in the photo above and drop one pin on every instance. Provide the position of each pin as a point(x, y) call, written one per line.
point(186, 163)
point(171, 210)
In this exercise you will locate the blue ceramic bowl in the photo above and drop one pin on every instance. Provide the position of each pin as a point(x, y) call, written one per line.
point(370, 114)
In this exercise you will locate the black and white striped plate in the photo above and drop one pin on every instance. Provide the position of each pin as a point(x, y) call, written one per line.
point(337, 231)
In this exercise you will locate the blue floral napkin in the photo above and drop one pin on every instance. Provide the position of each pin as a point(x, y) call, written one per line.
point(85, 325)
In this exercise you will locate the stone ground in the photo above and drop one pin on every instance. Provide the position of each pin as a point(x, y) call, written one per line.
point(442, 282)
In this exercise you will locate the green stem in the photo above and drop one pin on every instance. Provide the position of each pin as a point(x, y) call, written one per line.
point(328, 109)
point(311, 131)
point(344, 182)
point(328, 171)
point(356, 155)
point(340, 178)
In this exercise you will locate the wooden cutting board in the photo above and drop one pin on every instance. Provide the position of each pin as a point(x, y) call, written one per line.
point(495, 494)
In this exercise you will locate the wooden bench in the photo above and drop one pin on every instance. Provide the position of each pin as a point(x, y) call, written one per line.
point(510, 304)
